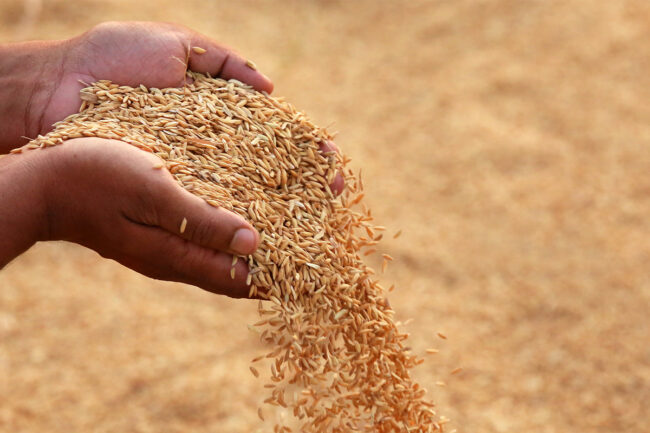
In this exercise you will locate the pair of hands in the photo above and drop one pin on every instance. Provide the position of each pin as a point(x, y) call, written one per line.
point(105, 194)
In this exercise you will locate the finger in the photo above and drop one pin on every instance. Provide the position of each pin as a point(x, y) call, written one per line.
point(159, 254)
point(328, 146)
point(221, 61)
point(338, 184)
point(191, 218)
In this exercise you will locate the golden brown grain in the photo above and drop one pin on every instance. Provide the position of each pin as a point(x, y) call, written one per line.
point(337, 359)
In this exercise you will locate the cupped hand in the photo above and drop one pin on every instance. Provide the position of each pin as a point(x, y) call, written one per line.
point(153, 54)
point(134, 53)
point(109, 196)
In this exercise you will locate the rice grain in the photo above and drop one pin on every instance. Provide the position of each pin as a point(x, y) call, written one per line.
point(327, 323)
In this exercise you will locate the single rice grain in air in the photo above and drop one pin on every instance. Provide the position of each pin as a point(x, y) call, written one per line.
point(337, 361)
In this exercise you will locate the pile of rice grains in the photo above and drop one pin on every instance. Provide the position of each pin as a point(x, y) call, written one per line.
point(338, 361)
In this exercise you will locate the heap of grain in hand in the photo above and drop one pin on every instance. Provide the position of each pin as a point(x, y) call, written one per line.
point(338, 361)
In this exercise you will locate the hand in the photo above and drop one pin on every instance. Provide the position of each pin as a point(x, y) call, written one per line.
point(134, 53)
point(152, 54)
point(139, 224)
point(43, 79)
point(108, 196)
point(40, 80)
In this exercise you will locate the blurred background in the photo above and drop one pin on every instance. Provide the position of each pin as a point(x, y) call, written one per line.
point(509, 140)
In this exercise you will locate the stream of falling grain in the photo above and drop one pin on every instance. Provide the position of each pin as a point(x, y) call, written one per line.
point(337, 362)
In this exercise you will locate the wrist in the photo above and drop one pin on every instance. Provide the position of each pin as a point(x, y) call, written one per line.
point(29, 76)
point(23, 214)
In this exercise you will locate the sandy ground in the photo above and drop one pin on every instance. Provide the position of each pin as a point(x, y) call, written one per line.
point(510, 140)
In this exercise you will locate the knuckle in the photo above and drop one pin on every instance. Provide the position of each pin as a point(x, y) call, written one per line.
point(105, 27)
point(202, 233)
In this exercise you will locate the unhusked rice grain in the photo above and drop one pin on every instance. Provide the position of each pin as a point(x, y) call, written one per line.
point(337, 361)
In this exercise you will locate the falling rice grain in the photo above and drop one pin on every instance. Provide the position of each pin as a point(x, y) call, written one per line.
point(257, 156)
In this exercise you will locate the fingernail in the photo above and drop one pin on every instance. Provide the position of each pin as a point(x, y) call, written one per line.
point(243, 242)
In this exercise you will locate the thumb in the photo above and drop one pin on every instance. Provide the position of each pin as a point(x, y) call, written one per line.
point(194, 220)
point(156, 253)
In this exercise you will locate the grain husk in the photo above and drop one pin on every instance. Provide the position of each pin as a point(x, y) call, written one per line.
point(337, 360)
